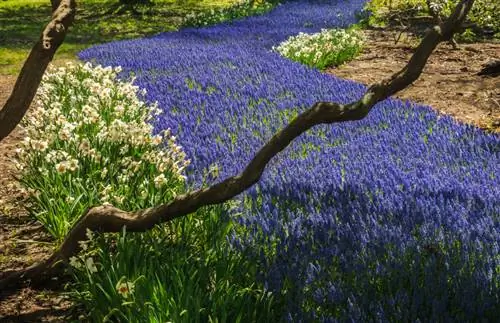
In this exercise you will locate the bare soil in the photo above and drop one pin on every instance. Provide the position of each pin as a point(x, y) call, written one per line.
point(449, 84)
point(22, 242)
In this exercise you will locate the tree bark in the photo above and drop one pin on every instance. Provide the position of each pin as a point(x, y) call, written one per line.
point(111, 219)
point(436, 15)
point(55, 4)
point(33, 69)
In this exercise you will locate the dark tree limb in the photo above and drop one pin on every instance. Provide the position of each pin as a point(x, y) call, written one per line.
point(111, 219)
point(33, 69)
point(55, 4)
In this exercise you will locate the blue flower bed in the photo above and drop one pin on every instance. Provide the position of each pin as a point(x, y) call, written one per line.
point(394, 217)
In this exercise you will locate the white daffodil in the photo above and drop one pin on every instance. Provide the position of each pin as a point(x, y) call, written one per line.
point(75, 262)
point(61, 167)
point(89, 263)
point(125, 289)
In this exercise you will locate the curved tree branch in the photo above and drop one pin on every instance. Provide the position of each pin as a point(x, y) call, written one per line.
point(32, 71)
point(111, 219)
point(55, 4)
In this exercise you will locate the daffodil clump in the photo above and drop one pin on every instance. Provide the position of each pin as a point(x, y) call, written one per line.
point(330, 47)
point(88, 142)
point(183, 271)
point(240, 9)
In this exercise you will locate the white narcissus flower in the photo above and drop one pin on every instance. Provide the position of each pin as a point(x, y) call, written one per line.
point(61, 120)
point(89, 234)
point(119, 199)
point(61, 167)
point(89, 263)
point(156, 140)
point(73, 164)
point(75, 262)
point(40, 145)
point(119, 109)
point(125, 289)
point(83, 245)
point(64, 135)
point(160, 180)
point(124, 149)
point(84, 146)
point(104, 173)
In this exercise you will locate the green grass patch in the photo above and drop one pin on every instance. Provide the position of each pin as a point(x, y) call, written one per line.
point(97, 21)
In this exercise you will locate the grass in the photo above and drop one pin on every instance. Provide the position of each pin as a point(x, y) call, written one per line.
point(97, 21)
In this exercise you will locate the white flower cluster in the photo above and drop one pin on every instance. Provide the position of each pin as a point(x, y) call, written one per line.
point(323, 48)
point(437, 6)
point(91, 129)
point(84, 262)
point(239, 9)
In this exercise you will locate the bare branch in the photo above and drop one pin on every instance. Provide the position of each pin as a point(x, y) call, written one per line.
point(55, 4)
point(110, 219)
point(32, 71)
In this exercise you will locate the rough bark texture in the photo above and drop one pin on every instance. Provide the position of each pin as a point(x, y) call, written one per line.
point(55, 4)
point(436, 15)
point(39, 58)
point(110, 219)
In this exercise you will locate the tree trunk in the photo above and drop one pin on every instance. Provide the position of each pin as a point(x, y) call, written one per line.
point(55, 4)
point(33, 69)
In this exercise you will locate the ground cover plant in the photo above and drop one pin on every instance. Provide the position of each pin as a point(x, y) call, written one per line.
point(339, 234)
point(240, 9)
point(327, 215)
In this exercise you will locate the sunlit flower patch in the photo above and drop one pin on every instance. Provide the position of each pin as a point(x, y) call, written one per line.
point(327, 48)
point(239, 9)
point(88, 142)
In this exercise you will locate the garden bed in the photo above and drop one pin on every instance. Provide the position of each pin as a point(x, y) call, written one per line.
point(337, 212)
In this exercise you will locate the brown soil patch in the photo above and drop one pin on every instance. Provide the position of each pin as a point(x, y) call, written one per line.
point(22, 242)
point(448, 83)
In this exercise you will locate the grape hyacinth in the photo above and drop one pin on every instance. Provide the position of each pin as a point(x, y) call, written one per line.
point(393, 217)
